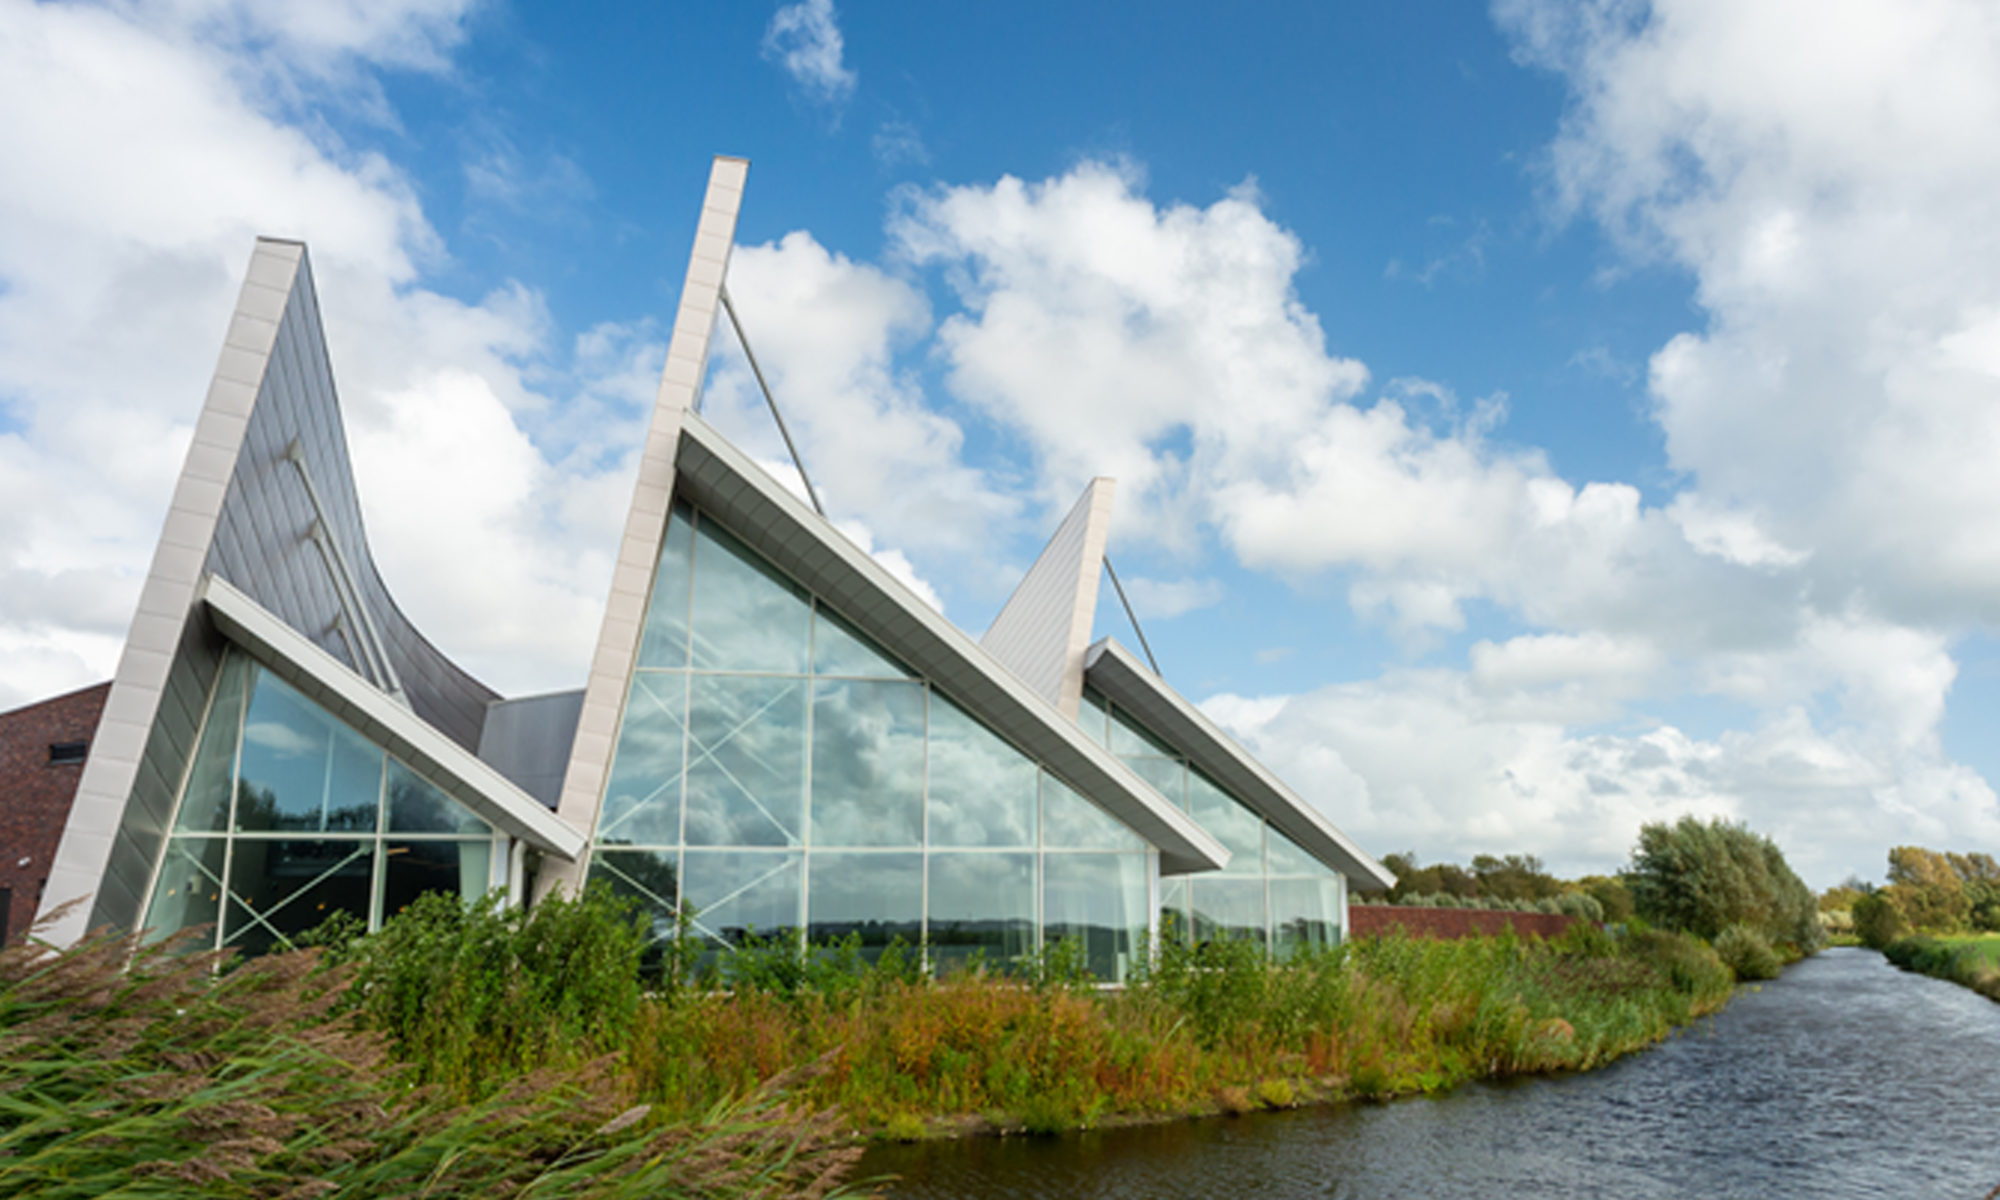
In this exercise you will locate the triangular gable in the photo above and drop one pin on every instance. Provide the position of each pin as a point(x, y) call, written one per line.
point(336, 688)
point(721, 480)
point(1111, 669)
point(1043, 630)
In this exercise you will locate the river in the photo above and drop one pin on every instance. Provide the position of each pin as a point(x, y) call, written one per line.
point(1845, 1078)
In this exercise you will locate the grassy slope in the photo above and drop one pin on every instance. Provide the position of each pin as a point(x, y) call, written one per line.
point(1971, 960)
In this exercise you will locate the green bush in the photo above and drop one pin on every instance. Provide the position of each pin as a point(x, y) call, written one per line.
point(475, 994)
point(1747, 953)
point(1703, 877)
point(1878, 921)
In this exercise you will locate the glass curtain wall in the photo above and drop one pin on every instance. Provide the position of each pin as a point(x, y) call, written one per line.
point(287, 816)
point(779, 773)
point(1272, 891)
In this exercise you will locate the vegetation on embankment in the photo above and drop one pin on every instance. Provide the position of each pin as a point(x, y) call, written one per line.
point(1970, 960)
point(472, 997)
point(166, 1079)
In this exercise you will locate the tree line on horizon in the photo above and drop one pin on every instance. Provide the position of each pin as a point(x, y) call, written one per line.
point(1928, 892)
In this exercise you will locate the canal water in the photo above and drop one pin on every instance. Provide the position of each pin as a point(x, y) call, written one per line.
point(1845, 1078)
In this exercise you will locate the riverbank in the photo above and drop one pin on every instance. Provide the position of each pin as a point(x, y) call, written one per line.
point(1969, 960)
point(488, 1048)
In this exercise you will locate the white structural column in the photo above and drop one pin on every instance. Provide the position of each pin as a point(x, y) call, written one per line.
point(646, 520)
point(1044, 630)
point(141, 679)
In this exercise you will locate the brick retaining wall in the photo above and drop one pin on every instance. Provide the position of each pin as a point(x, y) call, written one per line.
point(1366, 920)
point(35, 794)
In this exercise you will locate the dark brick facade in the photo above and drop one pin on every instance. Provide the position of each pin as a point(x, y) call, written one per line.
point(35, 794)
point(1367, 920)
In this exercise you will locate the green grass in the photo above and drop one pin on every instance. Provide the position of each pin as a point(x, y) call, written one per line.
point(1970, 960)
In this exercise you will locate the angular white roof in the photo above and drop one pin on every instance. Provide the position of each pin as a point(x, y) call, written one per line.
point(1126, 682)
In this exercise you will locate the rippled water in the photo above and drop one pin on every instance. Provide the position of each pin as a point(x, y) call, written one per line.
point(1846, 1078)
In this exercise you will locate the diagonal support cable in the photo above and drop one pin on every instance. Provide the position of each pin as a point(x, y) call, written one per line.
point(1131, 616)
point(777, 416)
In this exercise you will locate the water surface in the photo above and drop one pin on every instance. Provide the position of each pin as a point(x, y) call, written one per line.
point(1846, 1078)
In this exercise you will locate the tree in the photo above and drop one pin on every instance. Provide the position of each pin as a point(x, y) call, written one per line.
point(1932, 893)
point(1704, 877)
point(1877, 919)
point(1612, 893)
point(1515, 877)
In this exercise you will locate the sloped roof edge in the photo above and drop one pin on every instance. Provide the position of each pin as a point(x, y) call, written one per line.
point(721, 479)
point(1114, 671)
point(335, 687)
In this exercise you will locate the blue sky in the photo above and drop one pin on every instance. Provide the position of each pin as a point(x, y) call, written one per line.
point(1530, 421)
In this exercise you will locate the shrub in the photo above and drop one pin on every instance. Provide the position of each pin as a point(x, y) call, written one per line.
point(1747, 954)
point(1702, 878)
point(1878, 921)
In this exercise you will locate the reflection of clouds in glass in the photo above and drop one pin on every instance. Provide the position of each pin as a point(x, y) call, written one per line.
point(1235, 826)
point(839, 649)
point(642, 803)
point(282, 739)
point(734, 894)
point(1227, 908)
point(867, 763)
point(664, 643)
point(981, 903)
point(1100, 900)
point(1304, 913)
point(746, 761)
point(878, 896)
point(982, 790)
point(1071, 822)
point(1286, 857)
point(747, 616)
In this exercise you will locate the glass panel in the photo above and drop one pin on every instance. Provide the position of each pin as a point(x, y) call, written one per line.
point(1094, 716)
point(416, 805)
point(735, 893)
point(1235, 826)
point(409, 869)
point(1285, 857)
point(982, 790)
point(642, 804)
point(746, 777)
point(867, 763)
point(1227, 908)
point(841, 649)
point(189, 891)
point(1128, 738)
point(981, 904)
point(205, 804)
point(665, 642)
point(1069, 822)
point(1173, 909)
point(879, 896)
point(1099, 899)
point(302, 769)
point(747, 617)
point(1304, 913)
point(652, 878)
point(280, 889)
point(1167, 775)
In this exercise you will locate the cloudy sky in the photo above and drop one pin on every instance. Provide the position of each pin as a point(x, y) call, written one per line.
point(1529, 422)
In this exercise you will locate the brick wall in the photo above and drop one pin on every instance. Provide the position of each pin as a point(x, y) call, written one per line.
point(1365, 920)
point(35, 794)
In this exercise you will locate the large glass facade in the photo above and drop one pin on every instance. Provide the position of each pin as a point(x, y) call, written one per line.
point(287, 816)
point(1272, 891)
point(778, 772)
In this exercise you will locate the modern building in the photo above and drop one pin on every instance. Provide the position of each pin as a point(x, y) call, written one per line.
point(773, 732)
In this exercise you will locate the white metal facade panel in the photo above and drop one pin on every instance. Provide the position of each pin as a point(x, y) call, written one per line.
point(646, 519)
point(1043, 631)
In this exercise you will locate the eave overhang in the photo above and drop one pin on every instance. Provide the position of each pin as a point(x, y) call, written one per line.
point(1126, 682)
point(379, 717)
point(725, 482)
